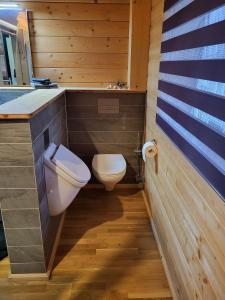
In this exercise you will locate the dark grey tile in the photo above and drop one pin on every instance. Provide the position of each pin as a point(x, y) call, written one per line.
point(39, 170)
point(27, 254)
point(44, 215)
point(133, 160)
point(100, 124)
point(123, 132)
point(60, 138)
point(57, 105)
point(28, 268)
point(23, 237)
point(91, 149)
point(87, 159)
point(38, 147)
point(55, 125)
point(41, 121)
point(14, 132)
point(110, 137)
point(17, 177)
point(64, 119)
point(22, 218)
point(74, 98)
point(18, 198)
point(128, 180)
point(16, 155)
point(132, 111)
point(41, 189)
point(50, 236)
point(91, 111)
point(131, 171)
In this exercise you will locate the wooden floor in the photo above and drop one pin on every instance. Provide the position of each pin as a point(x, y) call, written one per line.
point(107, 251)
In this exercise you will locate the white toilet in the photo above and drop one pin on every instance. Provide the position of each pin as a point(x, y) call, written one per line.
point(65, 175)
point(109, 169)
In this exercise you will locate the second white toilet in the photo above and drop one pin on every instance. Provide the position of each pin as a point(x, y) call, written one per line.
point(109, 169)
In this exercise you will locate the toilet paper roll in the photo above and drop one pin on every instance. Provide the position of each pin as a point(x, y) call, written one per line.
point(149, 150)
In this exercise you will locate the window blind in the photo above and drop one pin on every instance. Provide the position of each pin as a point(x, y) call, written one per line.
point(191, 91)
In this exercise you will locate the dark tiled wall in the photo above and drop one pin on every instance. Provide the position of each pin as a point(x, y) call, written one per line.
point(46, 127)
point(91, 132)
point(19, 199)
point(29, 229)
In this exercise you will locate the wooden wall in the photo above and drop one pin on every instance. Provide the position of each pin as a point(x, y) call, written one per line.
point(82, 43)
point(140, 17)
point(188, 216)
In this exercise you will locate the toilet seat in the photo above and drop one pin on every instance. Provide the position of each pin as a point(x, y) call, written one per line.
point(71, 164)
point(109, 164)
point(67, 164)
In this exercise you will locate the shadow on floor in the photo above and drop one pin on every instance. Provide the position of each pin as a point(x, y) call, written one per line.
point(3, 248)
point(90, 209)
point(122, 266)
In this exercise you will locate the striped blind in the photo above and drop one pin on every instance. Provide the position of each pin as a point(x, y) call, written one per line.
point(191, 92)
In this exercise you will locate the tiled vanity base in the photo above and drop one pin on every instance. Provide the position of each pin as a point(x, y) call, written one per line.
point(30, 231)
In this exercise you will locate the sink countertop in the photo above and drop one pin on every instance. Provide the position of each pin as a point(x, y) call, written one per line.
point(28, 105)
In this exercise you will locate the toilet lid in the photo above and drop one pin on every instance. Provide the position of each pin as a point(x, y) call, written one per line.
point(71, 164)
point(109, 164)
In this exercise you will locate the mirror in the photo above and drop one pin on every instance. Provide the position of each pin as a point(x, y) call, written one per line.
point(15, 54)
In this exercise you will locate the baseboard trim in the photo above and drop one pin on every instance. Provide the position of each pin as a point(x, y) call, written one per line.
point(166, 269)
point(47, 275)
point(118, 186)
point(29, 276)
point(147, 204)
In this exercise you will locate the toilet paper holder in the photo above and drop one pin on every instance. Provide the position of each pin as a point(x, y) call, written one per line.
point(155, 153)
point(138, 152)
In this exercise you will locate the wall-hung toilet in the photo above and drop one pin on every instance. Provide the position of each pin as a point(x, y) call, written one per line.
point(65, 175)
point(109, 169)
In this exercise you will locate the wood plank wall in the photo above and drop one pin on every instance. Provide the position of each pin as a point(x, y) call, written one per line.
point(188, 215)
point(80, 43)
point(140, 18)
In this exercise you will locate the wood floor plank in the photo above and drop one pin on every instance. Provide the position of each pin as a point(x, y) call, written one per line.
point(107, 251)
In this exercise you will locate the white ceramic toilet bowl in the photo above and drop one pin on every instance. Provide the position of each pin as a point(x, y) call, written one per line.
point(65, 175)
point(109, 169)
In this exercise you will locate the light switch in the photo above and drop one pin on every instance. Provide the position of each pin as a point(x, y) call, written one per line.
point(108, 106)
